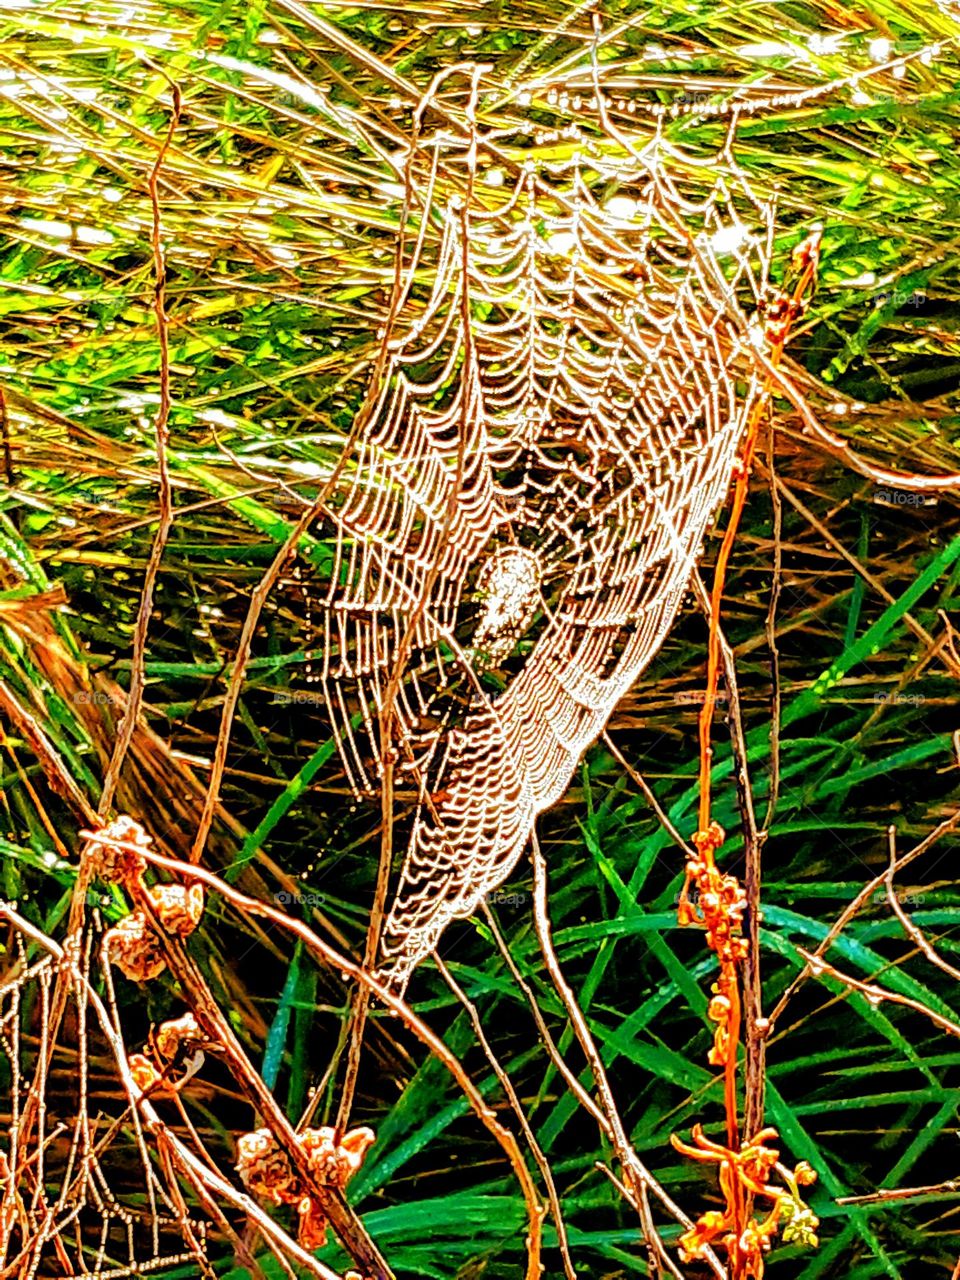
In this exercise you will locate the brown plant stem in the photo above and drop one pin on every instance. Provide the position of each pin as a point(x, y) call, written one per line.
point(506, 1084)
point(5, 434)
point(640, 781)
point(350, 1230)
point(909, 928)
point(852, 907)
point(770, 631)
point(740, 976)
point(741, 489)
point(876, 995)
point(938, 1189)
point(755, 1025)
point(192, 1166)
point(340, 963)
point(138, 677)
point(578, 1022)
point(841, 449)
point(643, 1175)
point(784, 490)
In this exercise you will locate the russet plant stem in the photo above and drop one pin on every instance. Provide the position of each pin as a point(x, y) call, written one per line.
point(806, 255)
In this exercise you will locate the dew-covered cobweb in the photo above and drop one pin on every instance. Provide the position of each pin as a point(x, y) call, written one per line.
point(568, 371)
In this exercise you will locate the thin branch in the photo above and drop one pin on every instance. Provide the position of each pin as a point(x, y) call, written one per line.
point(59, 779)
point(635, 1174)
point(876, 995)
point(783, 490)
point(911, 930)
point(770, 628)
point(5, 434)
point(639, 781)
point(885, 1196)
point(840, 448)
point(210, 1178)
point(583, 1097)
point(506, 1084)
point(655, 1261)
point(553, 1051)
point(755, 1025)
point(350, 1230)
point(263, 589)
point(138, 676)
point(340, 964)
point(851, 909)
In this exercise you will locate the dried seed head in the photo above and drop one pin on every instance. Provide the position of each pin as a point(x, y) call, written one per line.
point(710, 840)
point(705, 1230)
point(264, 1168)
point(325, 1161)
point(312, 1233)
point(135, 949)
point(143, 1071)
point(718, 1009)
point(355, 1145)
point(332, 1165)
point(179, 907)
point(177, 1035)
point(109, 861)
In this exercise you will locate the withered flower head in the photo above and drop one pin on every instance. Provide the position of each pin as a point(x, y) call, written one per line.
point(135, 949)
point(143, 1071)
point(709, 841)
point(264, 1168)
point(312, 1233)
point(112, 863)
point(179, 907)
point(702, 1234)
point(757, 1159)
point(177, 1035)
point(754, 1242)
point(800, 1223)
point(335, 1165)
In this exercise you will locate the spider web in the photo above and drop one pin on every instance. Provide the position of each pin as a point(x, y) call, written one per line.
point(80, 1193)
point(567, 379)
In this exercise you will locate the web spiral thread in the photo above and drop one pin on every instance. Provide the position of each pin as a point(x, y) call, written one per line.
point(567, 381)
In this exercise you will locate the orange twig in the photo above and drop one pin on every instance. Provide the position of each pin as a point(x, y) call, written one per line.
point(721, 903)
